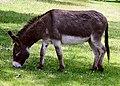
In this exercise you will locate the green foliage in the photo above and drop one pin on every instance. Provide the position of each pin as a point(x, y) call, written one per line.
point(14, 14)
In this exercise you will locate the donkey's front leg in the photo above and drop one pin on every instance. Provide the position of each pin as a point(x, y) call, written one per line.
point(57, 45)
point(42, 54)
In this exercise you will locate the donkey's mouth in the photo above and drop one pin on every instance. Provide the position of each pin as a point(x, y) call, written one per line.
point(16, 64)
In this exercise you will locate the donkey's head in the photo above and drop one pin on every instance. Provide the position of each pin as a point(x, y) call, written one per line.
point(20, 51)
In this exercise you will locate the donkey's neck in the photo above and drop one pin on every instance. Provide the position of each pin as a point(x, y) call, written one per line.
point(35, 30)
point(33, 34)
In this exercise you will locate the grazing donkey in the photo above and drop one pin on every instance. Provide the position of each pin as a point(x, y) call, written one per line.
point(62, 26)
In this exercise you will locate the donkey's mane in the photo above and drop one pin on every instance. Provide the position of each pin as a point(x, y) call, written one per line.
point(29, 23)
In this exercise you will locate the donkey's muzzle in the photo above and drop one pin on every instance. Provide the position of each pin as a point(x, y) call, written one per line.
point(16, 64)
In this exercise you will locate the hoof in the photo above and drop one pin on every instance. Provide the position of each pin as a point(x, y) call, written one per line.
point(100, 68)
point(93, 69)
point(60, 70)
point(40, 66)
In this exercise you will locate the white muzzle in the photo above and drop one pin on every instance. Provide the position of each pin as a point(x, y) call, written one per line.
point(16, 64)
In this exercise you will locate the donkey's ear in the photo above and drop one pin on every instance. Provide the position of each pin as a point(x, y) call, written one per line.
point(12, 35)
point(14, 38)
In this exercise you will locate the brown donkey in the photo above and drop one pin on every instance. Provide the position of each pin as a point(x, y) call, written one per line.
point(62, 26)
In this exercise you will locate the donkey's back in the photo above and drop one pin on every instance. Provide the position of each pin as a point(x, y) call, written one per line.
point(77, 23)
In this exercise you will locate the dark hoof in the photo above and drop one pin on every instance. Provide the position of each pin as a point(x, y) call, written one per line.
point(40, 66)
point(60, 70)
point(101, 69)
point(93, 69)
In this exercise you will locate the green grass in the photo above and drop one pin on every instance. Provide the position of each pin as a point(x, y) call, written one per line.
point(14, 14)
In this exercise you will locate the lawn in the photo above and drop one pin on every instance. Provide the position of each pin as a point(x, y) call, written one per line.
point(14, 14)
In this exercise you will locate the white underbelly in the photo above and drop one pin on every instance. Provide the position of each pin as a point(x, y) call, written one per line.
point(66, 39)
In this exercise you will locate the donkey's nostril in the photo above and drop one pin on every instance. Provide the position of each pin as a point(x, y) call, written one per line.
point(16, 66)
point(13, 66)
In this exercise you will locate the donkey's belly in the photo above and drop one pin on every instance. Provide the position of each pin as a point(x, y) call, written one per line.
point(66, 39)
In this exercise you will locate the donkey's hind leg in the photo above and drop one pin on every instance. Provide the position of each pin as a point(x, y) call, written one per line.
point(102, 51)
point(42, 54)
point(96, 41)
point(96, 55)
point(57, 45)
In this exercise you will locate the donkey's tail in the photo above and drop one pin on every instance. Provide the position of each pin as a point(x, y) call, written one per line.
point(106, 43)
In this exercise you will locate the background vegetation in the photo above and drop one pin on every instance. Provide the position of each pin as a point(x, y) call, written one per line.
point(14, 14)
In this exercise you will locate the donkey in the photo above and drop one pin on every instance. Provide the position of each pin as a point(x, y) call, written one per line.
point(62, 27)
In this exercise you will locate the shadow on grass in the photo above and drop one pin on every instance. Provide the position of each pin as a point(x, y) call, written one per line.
point(115, 1)
point(14, 17)
point(11, 17)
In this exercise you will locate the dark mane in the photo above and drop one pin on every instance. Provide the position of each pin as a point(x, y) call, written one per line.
point(27, 25)
point(21, 32)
